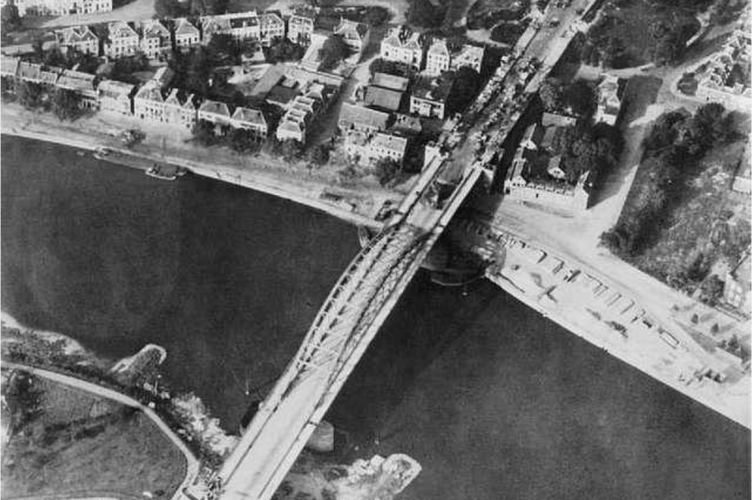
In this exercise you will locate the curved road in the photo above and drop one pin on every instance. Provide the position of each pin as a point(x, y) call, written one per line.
point(192, 464)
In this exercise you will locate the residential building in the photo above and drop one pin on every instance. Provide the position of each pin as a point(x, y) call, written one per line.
point(468, 56)
point(9, 68)
point(361, 119)
point(180, 112)
point(271, 26)
point(304, 110)
point(155, 39)
point(29, 72)
point(149, 103)
point(79, 38)
point(388, 81)
point(252, 120)
point(430, 96)
point(388, 146)
point(123, 40)
point(354, 34)
point(721, 81)
point(300, 28)
point(737, 290)
point(610, 92)
point(241, 25)
point(214, 112)
point(312, 58)
point(186, 34)
point(115, 97)
point(83, 84)
point(438, 58)
point(381, 98)
point(403, 46)
point(61, 7)
point(48, 77)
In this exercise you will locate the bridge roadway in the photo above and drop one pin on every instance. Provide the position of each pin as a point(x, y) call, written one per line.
point(358, 305)
point(349, 319)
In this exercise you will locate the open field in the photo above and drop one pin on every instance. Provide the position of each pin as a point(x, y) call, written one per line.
point(83, 445)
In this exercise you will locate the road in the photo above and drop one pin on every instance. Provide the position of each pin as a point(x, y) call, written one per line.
point(192, 464)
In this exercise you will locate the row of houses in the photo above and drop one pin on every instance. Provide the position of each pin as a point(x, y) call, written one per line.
point(720, 81)
point(153, 102)
point(59, 7)
point(407, 47)
point(153, 37)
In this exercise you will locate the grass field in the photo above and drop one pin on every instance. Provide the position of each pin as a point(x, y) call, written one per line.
point(82, 445)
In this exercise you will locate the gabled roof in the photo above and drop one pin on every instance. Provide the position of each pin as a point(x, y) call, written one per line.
point(383, 98)
point(358, 115)
point(393, 37)
point(76, 80)
point(271, 17)
point(78, 34)
point(173, 98)
point(50, 75)
point(150, 91)
point(115, 89)
point(388, 81)
point(250, 116)
point(439, 47)
point(154, 27)
point(184, 27)
point(215, 107)
point(121, 29)
point(163, 76)
point(351, 30)
point(301, 20)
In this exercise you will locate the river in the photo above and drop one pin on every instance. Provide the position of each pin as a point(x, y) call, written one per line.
point(494, 400)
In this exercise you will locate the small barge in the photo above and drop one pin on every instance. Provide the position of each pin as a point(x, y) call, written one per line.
point(165, 172)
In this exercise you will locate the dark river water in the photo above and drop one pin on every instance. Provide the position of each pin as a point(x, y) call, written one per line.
point(495, 401)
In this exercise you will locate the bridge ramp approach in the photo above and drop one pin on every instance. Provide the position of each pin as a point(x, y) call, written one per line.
point(346, 324)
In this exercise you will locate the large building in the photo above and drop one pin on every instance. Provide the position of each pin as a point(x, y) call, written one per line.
point(440, 58)
point(358, 118)
point(252, 120)
point(430, 96)
point(123, 40)
point(300, 28)
point(83, 84)
point(115, 97)
point(241, 25)
point(149, 103)
point(79, 38)
point(610, 92)
point(720, 82)
point(180, 110)
point(60, 7)
point(355, 35)
point(186, 34)
point(403, 46)
point(271, 26)
point(155, 39)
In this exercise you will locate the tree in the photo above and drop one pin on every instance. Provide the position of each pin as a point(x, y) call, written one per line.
point(203, 133)
point(30, 95)
point(376, 16)
point(386, 170)
point(11, 21)
point(291, 149)
point(319, 154)
point(66, 104)
point(243, 141)
point(282, 49)
point(333, 51)
point(467, 84)
point(425, 14)
point(711, 290)
point(580, 97)
point(224, 50)
point(551, 93)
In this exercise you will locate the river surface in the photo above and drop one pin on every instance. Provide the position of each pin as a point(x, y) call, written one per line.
point(495, 401)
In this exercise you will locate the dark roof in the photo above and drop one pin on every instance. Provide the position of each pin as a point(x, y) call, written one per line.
point(281, 95)
point(434, 89)
point(383, 98)
point(388, 81)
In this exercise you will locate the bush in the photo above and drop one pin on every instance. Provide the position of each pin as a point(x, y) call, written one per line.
point(66, 104)
point(333, 51)
point(386, 170)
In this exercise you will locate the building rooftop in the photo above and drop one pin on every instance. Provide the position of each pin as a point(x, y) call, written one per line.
point(383, 98)
point(9, 65)
point(151, 91)
point(388, 81)
point(121, 29)
point(391, 142)
point(215, 107)
point(351, 114)
point(249, 115)
point(184, 27)
point(76, 80)
point(29, 71)
point(549, 119)
point(434, 89)
point(114, 88)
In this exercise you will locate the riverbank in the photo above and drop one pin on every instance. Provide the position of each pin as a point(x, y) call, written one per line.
point(357, 205)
